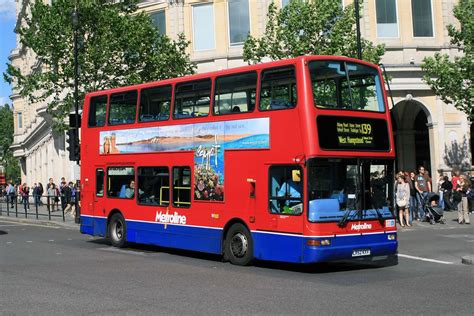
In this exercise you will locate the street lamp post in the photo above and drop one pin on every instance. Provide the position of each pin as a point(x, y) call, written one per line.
point(75, 24)
point(357, 17)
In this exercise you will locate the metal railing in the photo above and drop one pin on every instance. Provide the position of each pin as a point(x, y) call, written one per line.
point(36, 206)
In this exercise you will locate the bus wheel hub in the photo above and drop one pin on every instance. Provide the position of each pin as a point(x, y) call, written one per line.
point(239, 245)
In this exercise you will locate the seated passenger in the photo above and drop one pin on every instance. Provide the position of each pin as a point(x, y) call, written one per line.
point(130, 191)
point(291, 191)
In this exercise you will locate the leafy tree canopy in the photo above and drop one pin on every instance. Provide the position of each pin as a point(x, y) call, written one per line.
point(452, 79)
point(318, 27)
point(12, 168)
point(118, 46)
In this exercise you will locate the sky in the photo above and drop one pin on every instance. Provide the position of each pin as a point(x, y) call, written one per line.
point(7, 43)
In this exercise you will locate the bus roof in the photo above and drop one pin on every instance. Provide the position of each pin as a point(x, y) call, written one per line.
point(263, 65)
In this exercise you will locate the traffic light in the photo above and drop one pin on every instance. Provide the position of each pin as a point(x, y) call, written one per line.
point(73, 144)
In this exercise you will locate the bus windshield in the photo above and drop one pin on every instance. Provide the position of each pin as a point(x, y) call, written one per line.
point(362, 187)
point(346, 86)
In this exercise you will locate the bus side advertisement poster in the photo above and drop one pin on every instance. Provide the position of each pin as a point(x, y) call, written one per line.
point(349, 133)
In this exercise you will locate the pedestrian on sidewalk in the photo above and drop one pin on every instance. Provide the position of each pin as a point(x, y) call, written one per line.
point(39, 192)
point(463, 188)
point(422, 185)
point(412, 204)
point(62, 186)
point(67, 197)
point(402, 196)
point(447, 189)
point(10, 194)
point(25, 196)
point(52, 197)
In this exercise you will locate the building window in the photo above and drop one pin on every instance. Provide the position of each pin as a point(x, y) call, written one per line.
point(422, 18)
point(203, 27)
point(20, 119)
point(239, 21)
point(386, 18)
point(159, 21)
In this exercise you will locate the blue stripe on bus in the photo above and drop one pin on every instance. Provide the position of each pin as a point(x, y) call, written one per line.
point(267, 245)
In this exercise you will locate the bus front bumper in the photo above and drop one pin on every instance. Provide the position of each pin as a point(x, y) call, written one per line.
point(343, 247)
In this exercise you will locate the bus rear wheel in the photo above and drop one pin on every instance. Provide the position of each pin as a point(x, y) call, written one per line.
point(117, 231)
point(239, 245)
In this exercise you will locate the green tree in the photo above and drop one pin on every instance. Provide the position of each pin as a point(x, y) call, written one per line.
point(452, 79)
point(318, 27)
point(118, 46)
point(10, 163)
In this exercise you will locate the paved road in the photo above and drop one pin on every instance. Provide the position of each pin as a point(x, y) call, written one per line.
point(55, 270)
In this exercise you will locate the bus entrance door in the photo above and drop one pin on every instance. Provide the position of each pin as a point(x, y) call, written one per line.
point(98, 197)
point(286, 198)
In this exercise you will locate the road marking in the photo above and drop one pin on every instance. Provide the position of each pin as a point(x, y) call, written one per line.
point(132, 252)
point(29, 241)
point(424, 259)
point(28, 224)
point(51, 240)
point(9, 242)
point(8, 225)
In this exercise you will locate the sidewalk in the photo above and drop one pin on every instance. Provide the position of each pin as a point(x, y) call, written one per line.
point(451, 221)
point(43, 216)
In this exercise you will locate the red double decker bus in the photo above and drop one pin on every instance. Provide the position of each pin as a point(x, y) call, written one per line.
point(286, 161)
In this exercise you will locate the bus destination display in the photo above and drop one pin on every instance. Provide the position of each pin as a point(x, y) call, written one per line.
point(348, 133)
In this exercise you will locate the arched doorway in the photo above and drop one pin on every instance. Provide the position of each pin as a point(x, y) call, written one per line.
point(410, 121)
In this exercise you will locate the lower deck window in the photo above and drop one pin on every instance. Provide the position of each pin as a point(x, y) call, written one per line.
point(181, 186)
point(121, 182)
point(286, 190)
point(153, 186)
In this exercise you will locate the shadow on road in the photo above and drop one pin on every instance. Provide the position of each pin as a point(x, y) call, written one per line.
point(315, 268)
point(2, 232)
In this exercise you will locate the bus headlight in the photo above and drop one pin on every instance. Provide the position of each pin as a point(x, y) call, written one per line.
point(392, 237)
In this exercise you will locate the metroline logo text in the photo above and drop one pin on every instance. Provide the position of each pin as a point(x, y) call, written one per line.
point(361, 226)
point(166, 218)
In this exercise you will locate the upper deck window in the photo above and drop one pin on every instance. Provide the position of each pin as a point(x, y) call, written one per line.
point(235, 93)
point(97, 110)
point(155, 104)
point(192, 99)
point(123, 108)
point(278, 89)
point(346, 86)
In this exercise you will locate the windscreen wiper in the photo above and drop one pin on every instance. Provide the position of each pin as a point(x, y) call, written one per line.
point(347, 214)
point(379, 216)
point(344, 219)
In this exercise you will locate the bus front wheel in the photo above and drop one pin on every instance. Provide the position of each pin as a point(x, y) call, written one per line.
point(239, 245)
point(117, 231)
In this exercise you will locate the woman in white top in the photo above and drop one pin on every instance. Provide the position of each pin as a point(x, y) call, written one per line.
point(402, 197)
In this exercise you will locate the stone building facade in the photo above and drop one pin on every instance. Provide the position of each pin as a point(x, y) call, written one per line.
point(427, 131)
